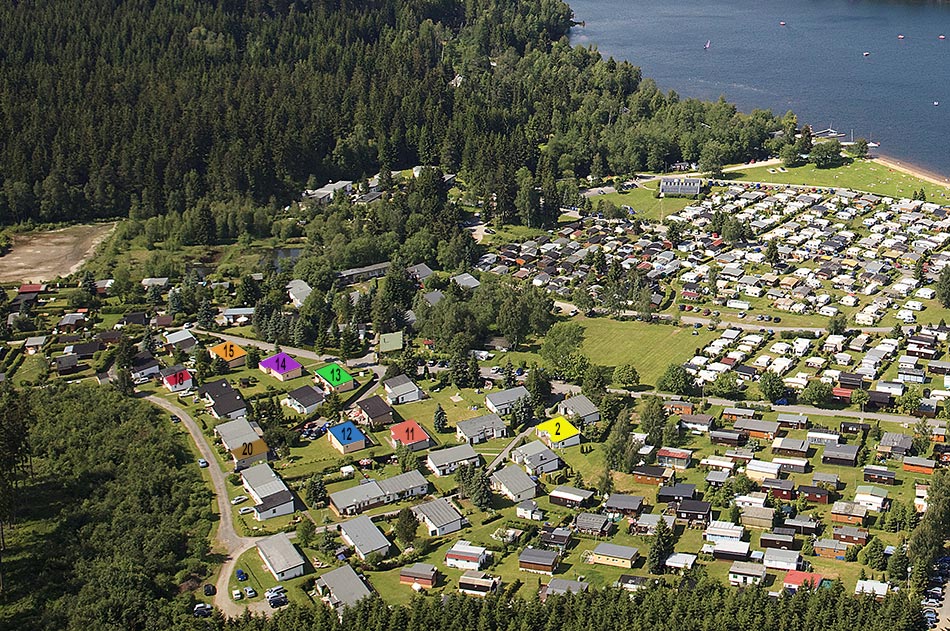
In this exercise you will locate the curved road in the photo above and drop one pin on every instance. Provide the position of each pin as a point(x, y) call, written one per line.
point(226, 538)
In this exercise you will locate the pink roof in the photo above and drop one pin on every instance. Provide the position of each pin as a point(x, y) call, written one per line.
point(281, 363)
point(799, 578)
point(673, 453)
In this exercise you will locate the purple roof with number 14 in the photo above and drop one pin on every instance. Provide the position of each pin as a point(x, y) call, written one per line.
point(281, 363)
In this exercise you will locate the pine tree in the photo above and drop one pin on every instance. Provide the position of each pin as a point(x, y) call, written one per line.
point(662, 547)
point(316, 490)
point(253, 358)
point(407, 524)
point(205, 315)
point(440, 419)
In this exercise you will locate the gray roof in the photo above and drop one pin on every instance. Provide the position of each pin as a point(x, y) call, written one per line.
point(580, 406)
point(846, 452)
point(438, 512)
point(419, 570)
point(443, 457)
point(307, 395)
point(400, 385)
point(262, 479)
point(784, 556)
point(564, 586)
point(747, 569)
point(615, 551)
point(344, 585)
point(507, 397)
point(895, 439)
point(535, 555)
point(572, 493)
point(475, 426)
point(590, 521)
point(403, 482)
point(514, 479)
point(365, 535)
point(180, 336)
point(234, 433)
point(280, 552)
point(624, 502)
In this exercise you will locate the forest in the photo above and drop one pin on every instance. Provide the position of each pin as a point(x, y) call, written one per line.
point(138, 108)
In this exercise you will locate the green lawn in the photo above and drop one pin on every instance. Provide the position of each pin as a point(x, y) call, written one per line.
point(861, 175)
point(643, 201)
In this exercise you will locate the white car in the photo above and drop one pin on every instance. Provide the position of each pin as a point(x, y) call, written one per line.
point(246, 510)
point(237, 500)
point(237, 594)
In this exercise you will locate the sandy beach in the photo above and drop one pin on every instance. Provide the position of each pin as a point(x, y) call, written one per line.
point(910, 169)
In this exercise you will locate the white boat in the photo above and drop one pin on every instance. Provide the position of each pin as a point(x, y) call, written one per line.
point(936, 103)
point(706, 46)
point(867, 54)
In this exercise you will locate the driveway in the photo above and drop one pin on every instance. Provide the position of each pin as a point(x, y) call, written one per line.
point(226, 539)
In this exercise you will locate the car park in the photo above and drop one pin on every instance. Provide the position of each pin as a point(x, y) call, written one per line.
point(210, 590)
point(250, 592)
point(202, 463)
point(237, 594)
point(238, 500)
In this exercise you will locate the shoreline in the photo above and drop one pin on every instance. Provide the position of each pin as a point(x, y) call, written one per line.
point(911, 169)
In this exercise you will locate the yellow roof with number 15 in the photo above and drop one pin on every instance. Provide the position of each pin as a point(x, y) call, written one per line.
point(558, 429)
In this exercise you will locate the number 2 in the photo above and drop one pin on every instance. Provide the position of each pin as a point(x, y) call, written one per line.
point(557, 429)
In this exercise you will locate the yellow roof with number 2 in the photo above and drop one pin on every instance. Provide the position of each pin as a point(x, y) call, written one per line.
point(558, 429)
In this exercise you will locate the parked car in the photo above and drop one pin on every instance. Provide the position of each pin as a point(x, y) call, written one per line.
point(246, 510)
point(202, 610)
point(237, 500)
point(237, 594)
point(210, 590)
point(278, 600)
point(202, 463)
point(276, 590)
point(241, 575)
point(250, 592)
point(175, 419)
point(930, 602)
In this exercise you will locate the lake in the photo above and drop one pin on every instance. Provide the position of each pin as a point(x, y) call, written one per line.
point(814, 64)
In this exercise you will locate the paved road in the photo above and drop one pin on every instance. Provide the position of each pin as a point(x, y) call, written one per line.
point(226, 538)
point(500, 458)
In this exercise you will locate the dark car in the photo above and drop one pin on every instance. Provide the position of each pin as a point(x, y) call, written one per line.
point(241, 575)
point(278, 600)
point(202, 610)
point(210, 590)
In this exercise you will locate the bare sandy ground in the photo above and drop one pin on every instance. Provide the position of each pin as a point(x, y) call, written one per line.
point(910, 169)
point(42, 256)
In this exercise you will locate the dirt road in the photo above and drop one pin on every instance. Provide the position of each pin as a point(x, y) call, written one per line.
point(226, 540)
point(42, 256)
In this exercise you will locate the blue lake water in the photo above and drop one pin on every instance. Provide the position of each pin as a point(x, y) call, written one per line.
point(814, 65)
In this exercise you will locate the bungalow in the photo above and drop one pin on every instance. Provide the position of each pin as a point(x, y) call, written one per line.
point(848, 513)
point(304, 400)
point(593, 524)
point(281, 366)
point(697, 422)
point(646, 524)
point(513, 483)
point(757, 517)
point(347, 437)
point(851, 535)
point(373, 493)
point(557, 537)
point(766, 430)
point(144, 365)
point(759, 470)
point(803, 525)
point(620, 505)
point(675, 458)
point(271, 496)
point(373, 411)
point(342, 587)
point(224, 400)
point(361, 534)
point(242, 442)
point(558, 433)
point(871, 497)
point(735, 414)
point(465, 556)
point(419, 575)
point(880, 475)
point(401, 389)
point(675, 493)
point(792, 421)
point(823, 436)
point(776, 559)
point(177, 379)
point(444, 462)
point(915, 464)
point(480, 429)
point(815, 494)
point(731, 550)
point(70, 322)
point(789, 447)
point(680, 562)
point(614, 555)
point(745, 573)
point(830, 549)
point(474, 583)
point(878, 589)
point(237, 315)
point(723, 531)
point(536, 457)
point(181, 340)
point(501, 403)
point(528, 509)
point(726, 437)
point(334, 378)
point(281, 557)
point(854, 427)
point(792, 465)
point(694, 512)
point(439, 516)
point(229, 352)
point(679, 408)
point(841, 455)
point(779, 540)
point(570, 496)
point(410, 434)
point(538, 561)
point(32, 345)
point(797, 579)
point(580, 409)
point(782, 489)
point(562, 587)
point(648, 474)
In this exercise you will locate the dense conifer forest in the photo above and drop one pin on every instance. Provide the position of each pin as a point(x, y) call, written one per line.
point(140, 107)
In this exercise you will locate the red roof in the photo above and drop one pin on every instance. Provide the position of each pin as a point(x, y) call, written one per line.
point(799, 578)
point(174, 378)
point(407, 433)
point(30, 288)
point(669, 452)
point(841, 393)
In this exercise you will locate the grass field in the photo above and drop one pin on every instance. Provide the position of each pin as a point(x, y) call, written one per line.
point(643, 201)
point(861, 175)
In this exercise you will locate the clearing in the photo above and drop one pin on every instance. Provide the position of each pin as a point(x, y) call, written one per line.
point(43, 256)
